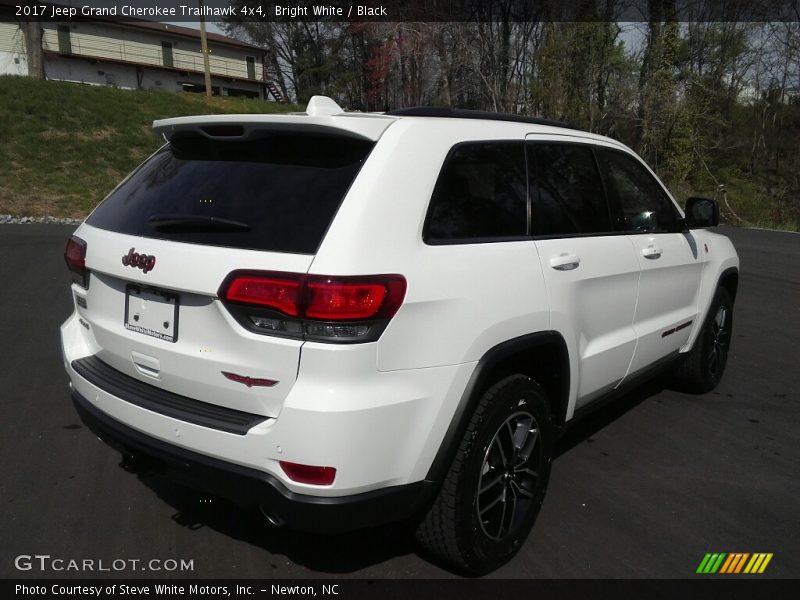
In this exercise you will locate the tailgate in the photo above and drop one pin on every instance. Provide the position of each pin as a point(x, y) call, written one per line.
point(161, 244)
point(178, 335)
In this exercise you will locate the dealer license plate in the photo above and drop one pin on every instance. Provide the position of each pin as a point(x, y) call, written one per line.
point(152, 312)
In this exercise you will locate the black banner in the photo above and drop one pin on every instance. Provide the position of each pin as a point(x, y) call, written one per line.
point(405, 10)
point(354, 589)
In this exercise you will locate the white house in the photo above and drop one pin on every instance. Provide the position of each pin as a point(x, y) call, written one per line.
point(138, 55)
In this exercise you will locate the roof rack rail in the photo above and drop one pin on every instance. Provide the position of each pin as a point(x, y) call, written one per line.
point(463, 113)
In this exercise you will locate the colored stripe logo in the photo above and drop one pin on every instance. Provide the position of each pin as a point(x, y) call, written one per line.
point(734, 563)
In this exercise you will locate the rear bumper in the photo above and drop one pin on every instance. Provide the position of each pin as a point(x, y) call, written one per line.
point(378, 429)
point(249, 487)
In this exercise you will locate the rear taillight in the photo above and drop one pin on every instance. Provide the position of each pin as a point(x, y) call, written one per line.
point(308, 473)
point(75, 257)
point(332, 299)
point(281, 292)
point(316, 307)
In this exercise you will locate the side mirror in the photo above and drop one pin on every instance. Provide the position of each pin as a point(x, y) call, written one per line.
point(701, 213)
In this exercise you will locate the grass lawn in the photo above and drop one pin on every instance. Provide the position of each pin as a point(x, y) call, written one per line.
point(66, 145)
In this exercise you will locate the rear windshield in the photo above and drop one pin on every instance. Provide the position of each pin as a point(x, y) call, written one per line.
point(279, 192)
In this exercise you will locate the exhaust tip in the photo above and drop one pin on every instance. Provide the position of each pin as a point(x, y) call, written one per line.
point(270, 516)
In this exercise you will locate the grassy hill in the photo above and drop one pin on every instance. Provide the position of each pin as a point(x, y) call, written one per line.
point(64, 146)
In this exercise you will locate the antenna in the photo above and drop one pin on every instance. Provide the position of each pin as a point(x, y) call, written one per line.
point(320, 106)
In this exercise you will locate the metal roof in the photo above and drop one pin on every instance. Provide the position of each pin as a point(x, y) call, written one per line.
point(183, 32)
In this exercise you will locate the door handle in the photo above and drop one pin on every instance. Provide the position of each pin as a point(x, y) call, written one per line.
point(651, 252)
point(565, 262)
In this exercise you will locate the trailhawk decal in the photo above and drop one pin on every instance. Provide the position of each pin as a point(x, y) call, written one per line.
point(249, 381)
point(678, 328)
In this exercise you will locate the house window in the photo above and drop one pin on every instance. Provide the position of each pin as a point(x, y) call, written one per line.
point(251, 67)
point(64, 41)
point(166, 54)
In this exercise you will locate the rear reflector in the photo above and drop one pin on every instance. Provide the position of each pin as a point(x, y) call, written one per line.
point(75, 257)
point(308, 474)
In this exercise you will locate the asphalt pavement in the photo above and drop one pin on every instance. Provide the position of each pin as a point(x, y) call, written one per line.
point(643, 489)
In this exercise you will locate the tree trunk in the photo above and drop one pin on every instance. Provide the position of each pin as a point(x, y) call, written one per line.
point(32, 31)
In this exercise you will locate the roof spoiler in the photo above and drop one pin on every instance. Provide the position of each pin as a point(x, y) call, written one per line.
point(323, 116)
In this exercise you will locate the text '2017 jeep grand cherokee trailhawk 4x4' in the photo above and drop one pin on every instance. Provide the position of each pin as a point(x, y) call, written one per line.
point(358, 318)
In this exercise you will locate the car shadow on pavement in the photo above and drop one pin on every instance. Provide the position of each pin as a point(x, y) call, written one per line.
point(339, 553)
point(606, 414)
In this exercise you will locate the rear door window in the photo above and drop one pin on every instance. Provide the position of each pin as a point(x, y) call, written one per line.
point(480, 195)
point(279, 192)
point(566, 191)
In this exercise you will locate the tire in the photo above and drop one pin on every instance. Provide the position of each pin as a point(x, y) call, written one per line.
point(702, 369)
point(477, 532)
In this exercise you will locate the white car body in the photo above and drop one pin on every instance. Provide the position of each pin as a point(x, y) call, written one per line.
point(379, 412)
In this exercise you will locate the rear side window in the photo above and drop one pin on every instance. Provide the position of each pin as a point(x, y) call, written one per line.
point(566, 190)
point(640, 200)
point(279, 192)
point(480, 194)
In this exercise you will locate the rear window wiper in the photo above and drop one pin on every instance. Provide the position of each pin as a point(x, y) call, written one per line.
point(195, 223)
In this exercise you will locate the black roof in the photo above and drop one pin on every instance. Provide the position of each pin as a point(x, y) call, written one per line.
point(463, 113)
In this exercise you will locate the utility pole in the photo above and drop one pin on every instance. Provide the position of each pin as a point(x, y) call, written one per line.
point(204, 48)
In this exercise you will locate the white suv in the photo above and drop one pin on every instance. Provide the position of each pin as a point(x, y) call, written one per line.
point(350, 318)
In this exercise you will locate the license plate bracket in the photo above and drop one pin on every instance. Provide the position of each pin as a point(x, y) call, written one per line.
point(151, 311)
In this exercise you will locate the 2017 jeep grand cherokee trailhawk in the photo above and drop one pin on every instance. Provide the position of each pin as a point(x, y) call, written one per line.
point(356, 318)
